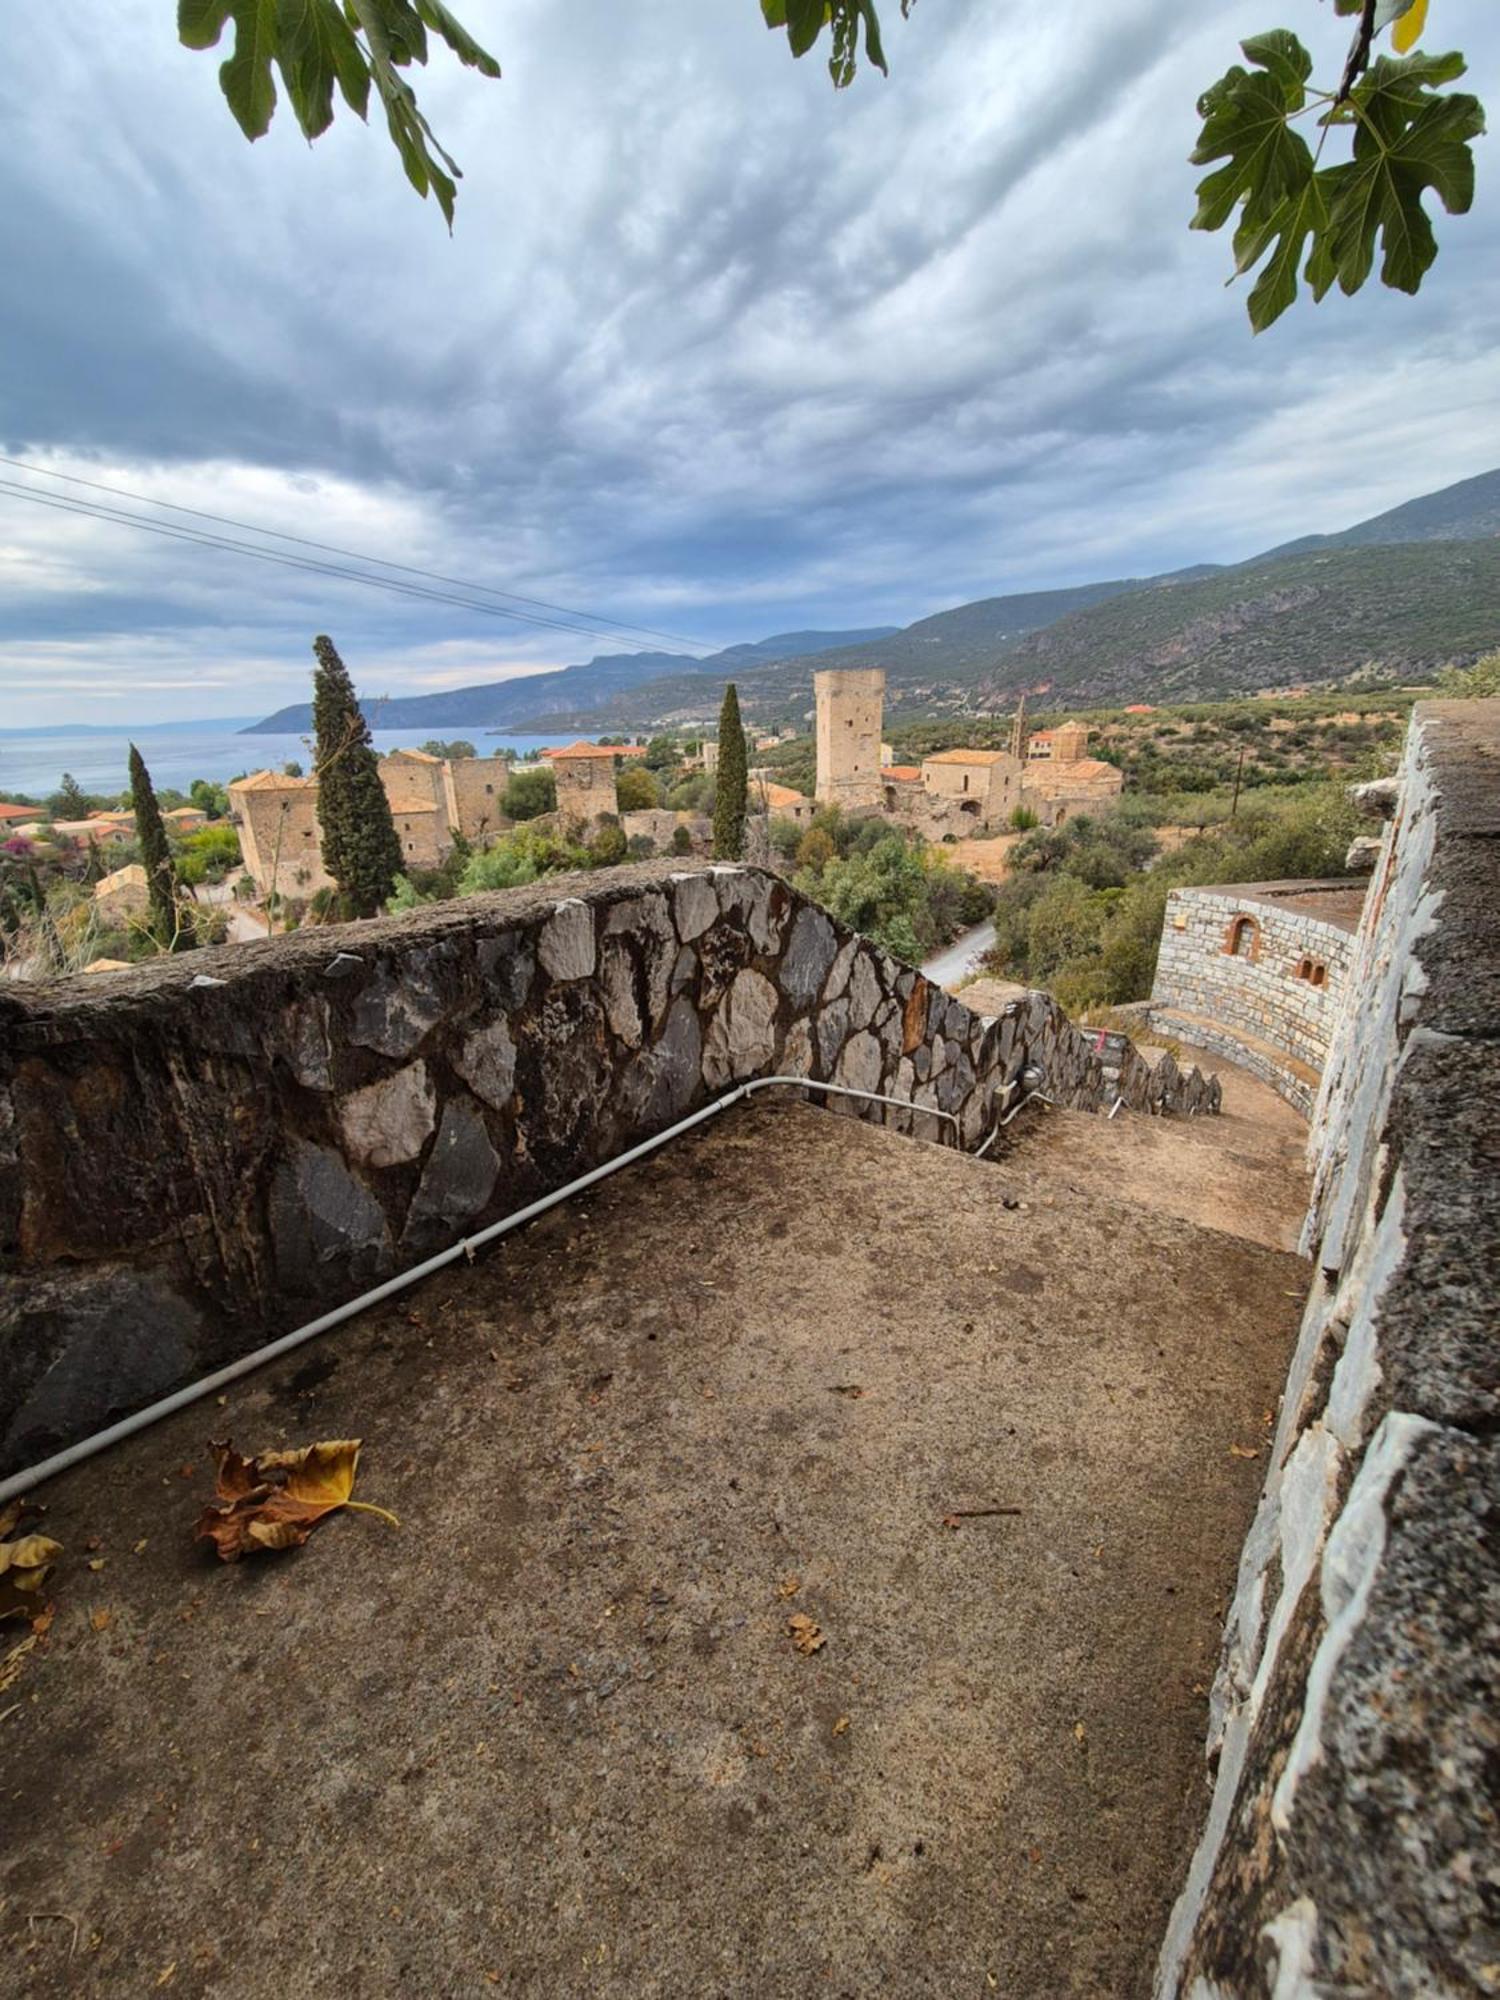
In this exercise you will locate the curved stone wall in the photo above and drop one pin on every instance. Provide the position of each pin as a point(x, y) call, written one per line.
point(1256, 974)
point(202, 1153)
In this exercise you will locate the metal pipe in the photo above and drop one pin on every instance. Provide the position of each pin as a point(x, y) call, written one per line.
point(166, 1406)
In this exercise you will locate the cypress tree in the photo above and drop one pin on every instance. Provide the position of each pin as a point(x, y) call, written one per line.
point(361, 849)
point(166, 922)
point(731, 782)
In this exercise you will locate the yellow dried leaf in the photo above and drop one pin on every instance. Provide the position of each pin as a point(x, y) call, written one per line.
point(275, 1501)
point(806, 1634)
point(25, 1565)
point(100, 1620)
point(29, 1553)
point(1407, 32)
point(1243, 1451)
point(789, 1586)
point(841, 1725)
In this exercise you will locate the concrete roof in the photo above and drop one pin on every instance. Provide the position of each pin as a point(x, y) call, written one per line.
point(782, 795)
point(553, 1733)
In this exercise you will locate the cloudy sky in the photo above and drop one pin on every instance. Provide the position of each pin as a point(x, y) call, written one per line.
point(713, 350)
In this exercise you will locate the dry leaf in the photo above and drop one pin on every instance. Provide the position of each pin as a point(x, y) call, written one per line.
point(25, 1565)
point(789, 1586)
point(1080, 1734)
point(806, 1634)
point(841, 1725)
point(140, 1547)
point(100, 1620)
point(853, 1389)
point(1243, 1451)
point(42, 1623)
point(97, 1562)
point(275, 1501)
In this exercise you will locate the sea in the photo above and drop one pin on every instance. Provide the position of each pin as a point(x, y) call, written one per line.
point(33, 761)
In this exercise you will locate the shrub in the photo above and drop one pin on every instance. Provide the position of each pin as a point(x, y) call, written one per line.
point(682, 840)
point(530, 793)
point(608, 846)
point(519, 857)
point(637, 790)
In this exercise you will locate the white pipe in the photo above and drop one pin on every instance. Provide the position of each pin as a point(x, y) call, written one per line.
point(74, 1454)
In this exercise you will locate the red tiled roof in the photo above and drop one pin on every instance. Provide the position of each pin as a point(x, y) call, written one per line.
point(906, 773)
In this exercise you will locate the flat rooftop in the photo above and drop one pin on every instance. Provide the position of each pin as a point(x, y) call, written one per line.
point(552, 1734)
point(1338, 902)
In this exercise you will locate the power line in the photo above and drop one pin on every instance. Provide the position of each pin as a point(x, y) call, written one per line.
point(170, 531)
point(612, 625)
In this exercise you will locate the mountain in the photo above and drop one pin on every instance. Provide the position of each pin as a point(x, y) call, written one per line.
point(1399, 595)
point(1399, 611)
point(514, 704)
point(1316, 610)
point(1466, 512)
point(921, 661)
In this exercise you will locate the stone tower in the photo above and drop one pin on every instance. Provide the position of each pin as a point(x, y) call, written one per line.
point(850, 703)
point(1018, 731)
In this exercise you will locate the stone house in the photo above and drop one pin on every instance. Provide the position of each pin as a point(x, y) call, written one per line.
point(123, 895)
point(280, 839)
point(985, 785)
point(585, 774)
point(474, 788)
point(185, 819)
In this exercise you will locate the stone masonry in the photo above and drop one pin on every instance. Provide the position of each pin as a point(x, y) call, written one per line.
point(1256, 972)
point(1352, 1845)
point(216, 1149)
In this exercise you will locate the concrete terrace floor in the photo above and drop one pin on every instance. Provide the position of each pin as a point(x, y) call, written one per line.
point(551, 1737)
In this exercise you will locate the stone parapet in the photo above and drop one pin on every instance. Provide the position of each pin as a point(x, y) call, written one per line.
point(1351, 1840)
point(217, 1148)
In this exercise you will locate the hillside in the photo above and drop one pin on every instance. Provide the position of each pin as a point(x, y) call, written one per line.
point(1466, 512)
point(1396, 595)
point(1399, 611)
point(922, 663)
point(515, 704)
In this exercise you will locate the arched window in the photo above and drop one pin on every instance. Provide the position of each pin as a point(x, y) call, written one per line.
point(1313, 970)
point(1242, 939)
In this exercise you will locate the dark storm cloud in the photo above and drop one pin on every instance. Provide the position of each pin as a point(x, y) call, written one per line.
point(711, 349)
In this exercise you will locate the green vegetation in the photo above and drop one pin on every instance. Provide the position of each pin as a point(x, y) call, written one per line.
point(208, 855)
point(520, 857)
point(1081, 913)
point(637, 790)
point(887, 883)
point(530, 793)
point(436, 747)
point(1320, 213)
point(1476, 683)
point(361, 849)
point(156, 858)
point(730, 781)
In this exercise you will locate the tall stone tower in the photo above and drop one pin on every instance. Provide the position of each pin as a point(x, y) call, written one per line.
point(850, 704)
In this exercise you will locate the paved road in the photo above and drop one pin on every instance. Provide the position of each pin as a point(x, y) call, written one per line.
point(960, 960)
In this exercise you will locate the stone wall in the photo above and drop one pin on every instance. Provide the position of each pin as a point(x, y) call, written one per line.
point(1251, 1005)
point(1351, 1841)
point(218, 1147)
